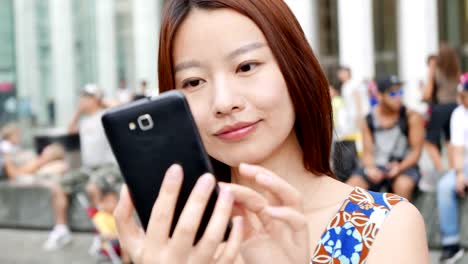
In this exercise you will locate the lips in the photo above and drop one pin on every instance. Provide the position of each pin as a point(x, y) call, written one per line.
point(237, 131)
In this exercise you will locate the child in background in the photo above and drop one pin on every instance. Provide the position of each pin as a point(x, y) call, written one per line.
point(104, 223)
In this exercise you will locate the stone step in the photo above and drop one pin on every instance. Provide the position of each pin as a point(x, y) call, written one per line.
point(30, 207)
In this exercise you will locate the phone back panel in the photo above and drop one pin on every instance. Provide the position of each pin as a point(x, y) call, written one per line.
point(145, 156)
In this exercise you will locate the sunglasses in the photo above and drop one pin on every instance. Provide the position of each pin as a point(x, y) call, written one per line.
point(397, 93)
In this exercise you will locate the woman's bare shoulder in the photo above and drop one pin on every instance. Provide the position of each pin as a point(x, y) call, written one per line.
point(402, 237)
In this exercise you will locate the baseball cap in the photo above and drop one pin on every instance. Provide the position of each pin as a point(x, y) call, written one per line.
point(92, 89)
point(463, 86)
point(384, 84)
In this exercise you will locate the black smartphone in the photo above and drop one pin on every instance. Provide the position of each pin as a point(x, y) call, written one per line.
point(147, 137)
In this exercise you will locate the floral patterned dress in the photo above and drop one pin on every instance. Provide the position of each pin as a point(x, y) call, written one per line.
point(350, 234)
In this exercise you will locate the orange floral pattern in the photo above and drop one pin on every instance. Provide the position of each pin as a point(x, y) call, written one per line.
point(352, 231)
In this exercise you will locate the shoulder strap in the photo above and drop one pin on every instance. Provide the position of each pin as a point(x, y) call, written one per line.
point(403, 121)
point(370, 122)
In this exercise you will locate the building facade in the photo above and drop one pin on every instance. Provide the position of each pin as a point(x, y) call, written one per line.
point(51, 48)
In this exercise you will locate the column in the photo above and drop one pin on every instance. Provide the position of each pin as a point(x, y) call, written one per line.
point(106, 46)
point(146, 21)
point(27, 57)
point(63, 63)
point(356, 39)
point(306, 12)
point(417, 38)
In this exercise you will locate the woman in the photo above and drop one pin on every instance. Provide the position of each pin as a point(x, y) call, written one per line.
point(258, 96)
point(441, 92)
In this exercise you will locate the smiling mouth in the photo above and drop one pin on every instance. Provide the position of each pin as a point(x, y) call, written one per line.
point(238, 131)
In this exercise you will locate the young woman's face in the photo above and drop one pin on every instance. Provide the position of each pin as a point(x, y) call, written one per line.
point(234, 86)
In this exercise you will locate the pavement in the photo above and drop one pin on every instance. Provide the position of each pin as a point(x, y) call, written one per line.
point(25, 247)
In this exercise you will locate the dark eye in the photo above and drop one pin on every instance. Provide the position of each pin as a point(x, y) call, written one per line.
point(246, 67)
point(192, 83)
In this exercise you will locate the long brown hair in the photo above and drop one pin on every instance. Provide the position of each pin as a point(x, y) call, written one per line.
point(448, 62)
point(307, 84)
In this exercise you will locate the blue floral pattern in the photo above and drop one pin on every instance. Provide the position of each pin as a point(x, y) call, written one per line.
point(350, 234)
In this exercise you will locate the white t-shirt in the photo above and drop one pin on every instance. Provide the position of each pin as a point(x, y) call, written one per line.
point(459, 129)
point(7, 148)
point(124, 96)
point(350, 121)
point(95, 149)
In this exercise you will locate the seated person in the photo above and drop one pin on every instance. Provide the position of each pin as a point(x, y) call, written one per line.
point(10, 139)
point(99, 167)
point(49, 165)
point(10, 144)
point(393, 138)
point(453, 185)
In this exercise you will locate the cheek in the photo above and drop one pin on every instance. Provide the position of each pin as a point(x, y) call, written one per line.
point(201, 114)
point(269, 91)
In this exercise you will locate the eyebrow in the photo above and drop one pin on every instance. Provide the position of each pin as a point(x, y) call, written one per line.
point(245, 49)
point(242, 50)
point(186, 65)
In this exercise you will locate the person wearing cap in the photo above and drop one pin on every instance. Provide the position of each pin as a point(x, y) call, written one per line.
point(453, 185)
point(99, 167)
point(393, 138)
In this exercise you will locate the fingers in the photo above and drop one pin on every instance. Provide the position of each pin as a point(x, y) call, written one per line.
point(190, 218)
point(250, 199)
point(233, 245)
point(287, 194)
point(163, 210)
point(291, 217)
point(216, 229)
point(131, 235)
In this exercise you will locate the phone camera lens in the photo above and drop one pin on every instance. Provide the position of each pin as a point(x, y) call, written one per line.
point(145, 122)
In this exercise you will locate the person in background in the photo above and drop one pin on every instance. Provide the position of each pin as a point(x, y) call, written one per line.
point(145, 91)
point(98, 165)
point(356, 101)
point(348, 140)
point(10, 139)
point(50, 165)
point(393, 139)
point(104, 223)
point(453, 185)
point(441, 92)
point(19, 164)
point(124, 94)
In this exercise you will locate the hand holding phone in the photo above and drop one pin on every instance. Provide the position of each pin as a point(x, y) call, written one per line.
point(157, 247)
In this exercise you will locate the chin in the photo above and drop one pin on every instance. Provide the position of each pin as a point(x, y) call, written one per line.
point(234, 156)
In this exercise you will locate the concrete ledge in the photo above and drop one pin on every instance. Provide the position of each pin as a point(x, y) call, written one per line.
point(427, 205)
point(30, 207)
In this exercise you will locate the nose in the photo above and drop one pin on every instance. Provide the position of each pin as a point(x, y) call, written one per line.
point(227, 98)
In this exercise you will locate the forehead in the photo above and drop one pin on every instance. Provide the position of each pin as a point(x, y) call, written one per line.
point(207, 32)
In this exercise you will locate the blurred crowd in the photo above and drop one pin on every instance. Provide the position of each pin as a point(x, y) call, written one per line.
point(378, 143)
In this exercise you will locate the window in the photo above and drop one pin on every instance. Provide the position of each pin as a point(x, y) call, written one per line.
point(453, 27)
point(385, 37)
point(328, 35)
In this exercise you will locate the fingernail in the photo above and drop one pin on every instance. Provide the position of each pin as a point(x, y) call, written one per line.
point(174, 173)
point(246, 168)
point(226, 194)
point(205, 183)
point(263, 178)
